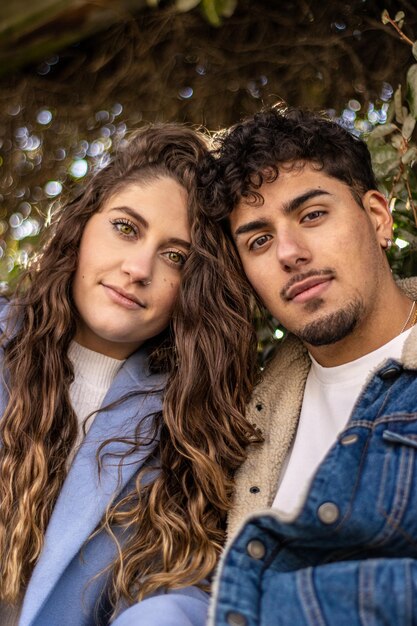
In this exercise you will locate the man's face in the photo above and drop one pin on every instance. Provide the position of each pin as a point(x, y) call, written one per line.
point(313, 254)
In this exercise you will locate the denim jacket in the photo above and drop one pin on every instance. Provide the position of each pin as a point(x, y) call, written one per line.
point(350, 557)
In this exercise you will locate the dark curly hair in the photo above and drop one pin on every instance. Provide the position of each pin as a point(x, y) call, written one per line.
point(253, 151)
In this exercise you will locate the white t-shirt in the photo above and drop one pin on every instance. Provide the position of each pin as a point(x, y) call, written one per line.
point(329, 397)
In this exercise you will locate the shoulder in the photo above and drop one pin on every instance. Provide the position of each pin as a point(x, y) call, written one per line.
point(408, 286)
point(10, 318)
point(290, 358)
point(187, 607)
point(5, 312)
point(288, 351)
point(274, 409)
point(4, 303)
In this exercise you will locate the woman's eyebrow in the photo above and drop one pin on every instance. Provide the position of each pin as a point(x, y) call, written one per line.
point(132, 213)
point(180, 242)
point(176, 241)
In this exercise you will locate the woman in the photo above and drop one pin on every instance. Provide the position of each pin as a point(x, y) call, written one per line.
point(105, 498)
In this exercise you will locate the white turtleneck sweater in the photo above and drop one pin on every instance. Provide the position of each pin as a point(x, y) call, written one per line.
point(93, 375)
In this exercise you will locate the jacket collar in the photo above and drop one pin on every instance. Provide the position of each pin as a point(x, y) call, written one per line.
point(409, 353)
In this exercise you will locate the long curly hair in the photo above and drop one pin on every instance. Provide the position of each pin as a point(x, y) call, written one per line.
point(174, 524)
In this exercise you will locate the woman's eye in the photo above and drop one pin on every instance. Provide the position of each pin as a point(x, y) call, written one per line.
point(125, 227)
point(176, 257)
point(259, 242)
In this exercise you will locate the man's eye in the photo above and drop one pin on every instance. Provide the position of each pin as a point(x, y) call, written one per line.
point(313, 215)
point(259, 242)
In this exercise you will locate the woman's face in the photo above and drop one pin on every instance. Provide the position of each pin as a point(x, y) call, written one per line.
point(130, 261)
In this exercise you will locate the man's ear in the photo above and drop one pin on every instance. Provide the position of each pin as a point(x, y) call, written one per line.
point(377, 208)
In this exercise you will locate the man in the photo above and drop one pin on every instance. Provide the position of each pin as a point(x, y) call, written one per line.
point(331, 537)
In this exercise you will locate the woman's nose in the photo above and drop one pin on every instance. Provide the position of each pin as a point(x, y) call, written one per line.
point(139, 266)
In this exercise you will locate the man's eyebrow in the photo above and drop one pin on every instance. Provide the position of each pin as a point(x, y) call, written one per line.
point(292, 205)
point(287, 208)
point(132, 213)
point(251, 226)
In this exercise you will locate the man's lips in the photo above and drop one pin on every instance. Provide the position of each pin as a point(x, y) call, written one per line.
point(308, 287)
point(126, 299)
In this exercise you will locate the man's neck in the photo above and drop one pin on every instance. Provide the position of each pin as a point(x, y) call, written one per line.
point(385, 323)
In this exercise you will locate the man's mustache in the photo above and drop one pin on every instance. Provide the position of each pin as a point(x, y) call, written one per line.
point(298, 278)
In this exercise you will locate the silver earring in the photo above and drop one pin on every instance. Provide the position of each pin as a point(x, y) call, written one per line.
point(388, 243)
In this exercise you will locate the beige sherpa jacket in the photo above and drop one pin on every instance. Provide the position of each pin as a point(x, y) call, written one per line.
point(275, 409)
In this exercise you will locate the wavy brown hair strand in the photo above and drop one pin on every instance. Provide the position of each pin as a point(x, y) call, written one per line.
point(178, 520)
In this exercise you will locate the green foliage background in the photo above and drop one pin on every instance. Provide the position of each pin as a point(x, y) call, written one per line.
point(394, 154)
point(56, 127)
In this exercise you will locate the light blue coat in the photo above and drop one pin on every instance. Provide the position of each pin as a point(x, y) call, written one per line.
point(63, 590)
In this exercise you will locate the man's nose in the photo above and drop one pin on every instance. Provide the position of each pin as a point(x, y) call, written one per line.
point(292, 251)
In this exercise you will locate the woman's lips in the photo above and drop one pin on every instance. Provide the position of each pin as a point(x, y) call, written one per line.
point(124, 298)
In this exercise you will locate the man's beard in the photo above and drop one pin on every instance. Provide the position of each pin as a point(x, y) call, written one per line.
point(332, 327)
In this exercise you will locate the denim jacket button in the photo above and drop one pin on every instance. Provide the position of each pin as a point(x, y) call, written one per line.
point(236, 619)
point(256, 549)
point(347, 440)
point(391, 372)
point(328, 512)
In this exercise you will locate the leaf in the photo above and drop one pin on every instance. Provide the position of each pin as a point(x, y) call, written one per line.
point(390, 112)
point(408, 126)
point(228, 7)
point(410, 157)
point(385, 159)
point(382, 131)
point(399, 16)
point(385, 18)
point(186, 5)
point(414, 49)
point(210, 11)
point(397, 141)
point(392, 204)
point(398, 105)
point(412, 89)
point(398, 188)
